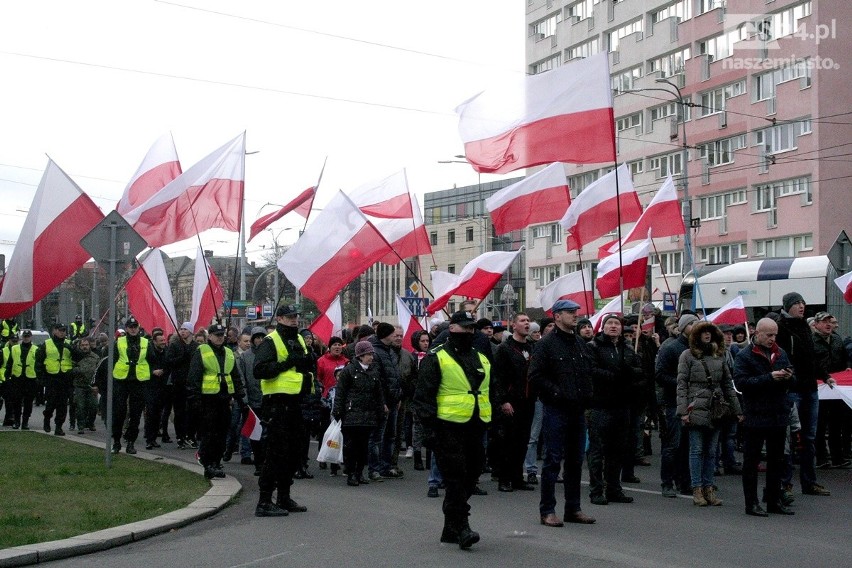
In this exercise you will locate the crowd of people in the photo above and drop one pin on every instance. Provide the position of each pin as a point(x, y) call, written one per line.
point(476, 397)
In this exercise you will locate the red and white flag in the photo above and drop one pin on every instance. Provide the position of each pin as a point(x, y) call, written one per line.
point(563, 115)
point(337, 246)
point(48, 249)
point(733, 313)
point(595, 211)
point(149, 295)
point(540, 198)
point(252, 428)
point(207, 195)
point(662, 218)
point(329, 323)
point(407, 322)
point(301, 205)
point(634, 269)
point(394, 211)
point(158, 168)
point(207, 294)
point(576, 286)
point(845, 285)
point(476, 279)
point(615, 306)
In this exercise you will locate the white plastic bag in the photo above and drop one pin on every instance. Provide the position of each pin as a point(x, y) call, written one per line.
point(331, 449)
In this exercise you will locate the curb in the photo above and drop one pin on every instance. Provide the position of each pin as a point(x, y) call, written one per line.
point(217, 498)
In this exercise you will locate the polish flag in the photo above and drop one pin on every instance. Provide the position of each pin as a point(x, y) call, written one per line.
point(48, 249)
point(576, 286)
point(845, 285)
point(563, 115)
point(301, 205)
point(338, 246)
point(160, 166)
point(329, 323)
point(252, 428)
point(662, 218)
point(207, 195)
point(595, 211)
point(395, 212)
point(207, 294)
point(476, 279)
point(615, 306)
point(149, 295)
point(540, 198)
point(634, 264)
point(733, 313)
point(407, 322)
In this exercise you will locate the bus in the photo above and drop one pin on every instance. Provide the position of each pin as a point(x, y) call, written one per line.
point(762, 284)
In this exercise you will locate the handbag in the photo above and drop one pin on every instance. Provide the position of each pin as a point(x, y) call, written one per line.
point(720, 409)
point(331, 449)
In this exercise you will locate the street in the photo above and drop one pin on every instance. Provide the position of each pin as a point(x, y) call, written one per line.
point(393, 523)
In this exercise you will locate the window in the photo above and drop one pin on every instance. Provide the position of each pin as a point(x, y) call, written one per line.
point(722, 254)
point(766, 195)
point(778, 138)
point(627, 80)
point(553, 230)
point(579, 182)
point(671, 64)
point(547, 64)
point(628, 122)
point(544, 275)
point(765, 83)
point(669, 262)
point(451, 237)
point(714, 101)
point(582, 10)
point(722, 46)
point(585, 49)
point(781, 24)
point(451, 268)
point(546, 27)
point(636, 167)
point(634, 27)
point(670, 109)
point(682, 10)
point(707, 5)
point(468, 235)
point(715, 206)
point(722, 151)
point(666, 165)
point(784, 246)
point(433, 238)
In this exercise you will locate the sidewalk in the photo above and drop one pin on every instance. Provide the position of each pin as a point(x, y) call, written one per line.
point(217, 497)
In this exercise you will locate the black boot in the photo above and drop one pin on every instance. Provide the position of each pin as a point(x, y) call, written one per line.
point(46, 426)
point(467, 536)
point(352, 480)
point(450, 534)
point(25, 424)
point(266, 508)
point(418, 461)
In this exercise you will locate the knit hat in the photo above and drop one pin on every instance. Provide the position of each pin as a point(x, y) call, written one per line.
point(608, 317)
point(790, 299)
point(482, 323)
point(187, 326)
point(364, 348)
point(685, 320)
point(257, 330)
point(583, 322)
point(384, 329)
point(365, 331)
point(334, 341)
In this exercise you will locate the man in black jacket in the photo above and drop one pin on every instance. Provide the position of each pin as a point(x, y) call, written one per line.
point(516, 404)
point(834, 415)
point(178, 357)
point(560, 371)
point(53, 362)
point(383, 438)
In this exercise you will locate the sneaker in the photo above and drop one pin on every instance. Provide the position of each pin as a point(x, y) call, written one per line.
point(823, 465)
point(532, 478)
point(376, 476)
point(393, 473)
point(409, 453)
point(181, 444)
point(433, 492)
point(669, 491)
point(269, 510)
point(816, 489)
point(192, 444)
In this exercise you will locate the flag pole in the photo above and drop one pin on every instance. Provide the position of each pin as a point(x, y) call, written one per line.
point(666, 280)
point(583, 279)
point(620, 244)
point(157, 292)
point(316, 189)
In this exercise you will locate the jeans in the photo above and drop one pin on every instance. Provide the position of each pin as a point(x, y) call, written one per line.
point(808, 406)
point(671, 444)
point(382, 442)
point(532, 448)
point(435, 477)
point(564, 438)
point(702, 455)
point(607, 433)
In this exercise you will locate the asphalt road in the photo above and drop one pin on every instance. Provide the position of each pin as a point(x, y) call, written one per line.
point(393, 523)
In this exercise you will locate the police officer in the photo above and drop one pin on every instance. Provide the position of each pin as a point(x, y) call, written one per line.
point(78, 328)
point(453, 401)
point(283, 365)
point(132, 368)
point(54, 360)
point(214, 384)
point(8, 328)
point(6, 394)
point(21, 378)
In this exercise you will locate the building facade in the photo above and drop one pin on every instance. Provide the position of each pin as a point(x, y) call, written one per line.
point(741, 101)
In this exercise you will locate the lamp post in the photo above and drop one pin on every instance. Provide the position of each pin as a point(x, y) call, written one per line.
point(687, 209)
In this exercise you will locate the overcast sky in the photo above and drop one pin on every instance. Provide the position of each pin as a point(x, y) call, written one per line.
point(370, 84)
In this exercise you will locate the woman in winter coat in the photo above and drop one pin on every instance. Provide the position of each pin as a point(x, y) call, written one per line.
point(702, 373)
point(359, 404)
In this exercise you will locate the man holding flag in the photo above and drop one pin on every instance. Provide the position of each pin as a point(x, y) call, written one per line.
point(254, 397)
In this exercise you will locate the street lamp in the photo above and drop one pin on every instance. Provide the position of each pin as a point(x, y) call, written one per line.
point(687, 210)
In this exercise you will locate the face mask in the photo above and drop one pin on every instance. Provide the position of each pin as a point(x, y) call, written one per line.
point(462, 340)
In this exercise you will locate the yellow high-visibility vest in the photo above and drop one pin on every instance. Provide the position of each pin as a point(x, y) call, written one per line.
point(52, 362)
point(122, 364)
point(456, 398)
point(210, 383)
point(19, 368)
point(288, 382)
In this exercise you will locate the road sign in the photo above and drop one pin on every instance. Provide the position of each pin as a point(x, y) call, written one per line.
point(251, 312)
point(417, 306)
point(229, 304)
point(669, 301)
point(267, 310)
point(128, 243)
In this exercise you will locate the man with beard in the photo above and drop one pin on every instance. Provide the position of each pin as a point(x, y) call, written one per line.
point(178, 358)
point(453, 401)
